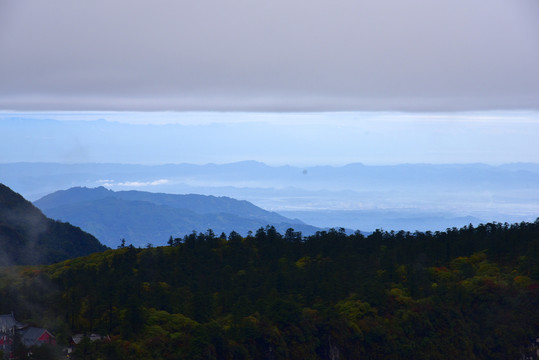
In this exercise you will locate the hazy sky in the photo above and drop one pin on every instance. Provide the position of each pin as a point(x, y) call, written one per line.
point(305, 55)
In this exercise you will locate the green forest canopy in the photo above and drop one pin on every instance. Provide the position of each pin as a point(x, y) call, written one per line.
point(470, 293)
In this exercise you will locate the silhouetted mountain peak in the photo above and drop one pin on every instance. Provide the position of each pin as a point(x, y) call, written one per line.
point(29, 237)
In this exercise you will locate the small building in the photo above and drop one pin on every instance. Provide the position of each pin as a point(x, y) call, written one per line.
point(29, 336)
point(8, 328)
point(8, 324)
point(77, 338)
point(37, 336)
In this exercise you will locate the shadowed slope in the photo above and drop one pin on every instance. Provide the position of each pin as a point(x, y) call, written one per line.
point(28, 237)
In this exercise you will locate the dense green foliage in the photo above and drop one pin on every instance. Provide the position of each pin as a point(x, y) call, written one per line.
point(470, 293)
point(28, 237)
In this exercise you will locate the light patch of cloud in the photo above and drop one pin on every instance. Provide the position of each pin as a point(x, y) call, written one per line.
point(471, 117)
point(327, 118)
point(142, 183)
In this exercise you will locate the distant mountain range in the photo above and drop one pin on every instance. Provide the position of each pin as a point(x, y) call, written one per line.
point(28, 237)
point(355, 196)
point(143, 217)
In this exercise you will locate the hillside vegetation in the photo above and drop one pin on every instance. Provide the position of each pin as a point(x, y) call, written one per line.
point(469, 293)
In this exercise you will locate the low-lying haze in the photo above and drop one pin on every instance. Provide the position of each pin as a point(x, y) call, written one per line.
point(301, 139)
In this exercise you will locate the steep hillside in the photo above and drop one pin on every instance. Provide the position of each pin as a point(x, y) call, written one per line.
point(28, 237)
point(142, 217)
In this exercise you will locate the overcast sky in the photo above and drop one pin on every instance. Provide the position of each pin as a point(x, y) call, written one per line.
point(306, 55)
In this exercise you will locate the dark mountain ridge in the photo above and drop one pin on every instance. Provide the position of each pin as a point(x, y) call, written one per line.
point(202, 204)
point(143, 217)
point(29, 237)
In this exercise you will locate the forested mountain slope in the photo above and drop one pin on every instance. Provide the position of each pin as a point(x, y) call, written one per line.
point(469, 293)
point(143, 217)
point(28, 237)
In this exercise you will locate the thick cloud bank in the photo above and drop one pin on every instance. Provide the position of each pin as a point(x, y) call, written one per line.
point(276, 55)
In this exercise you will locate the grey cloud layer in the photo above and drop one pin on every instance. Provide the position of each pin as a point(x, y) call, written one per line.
point(274, 55)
